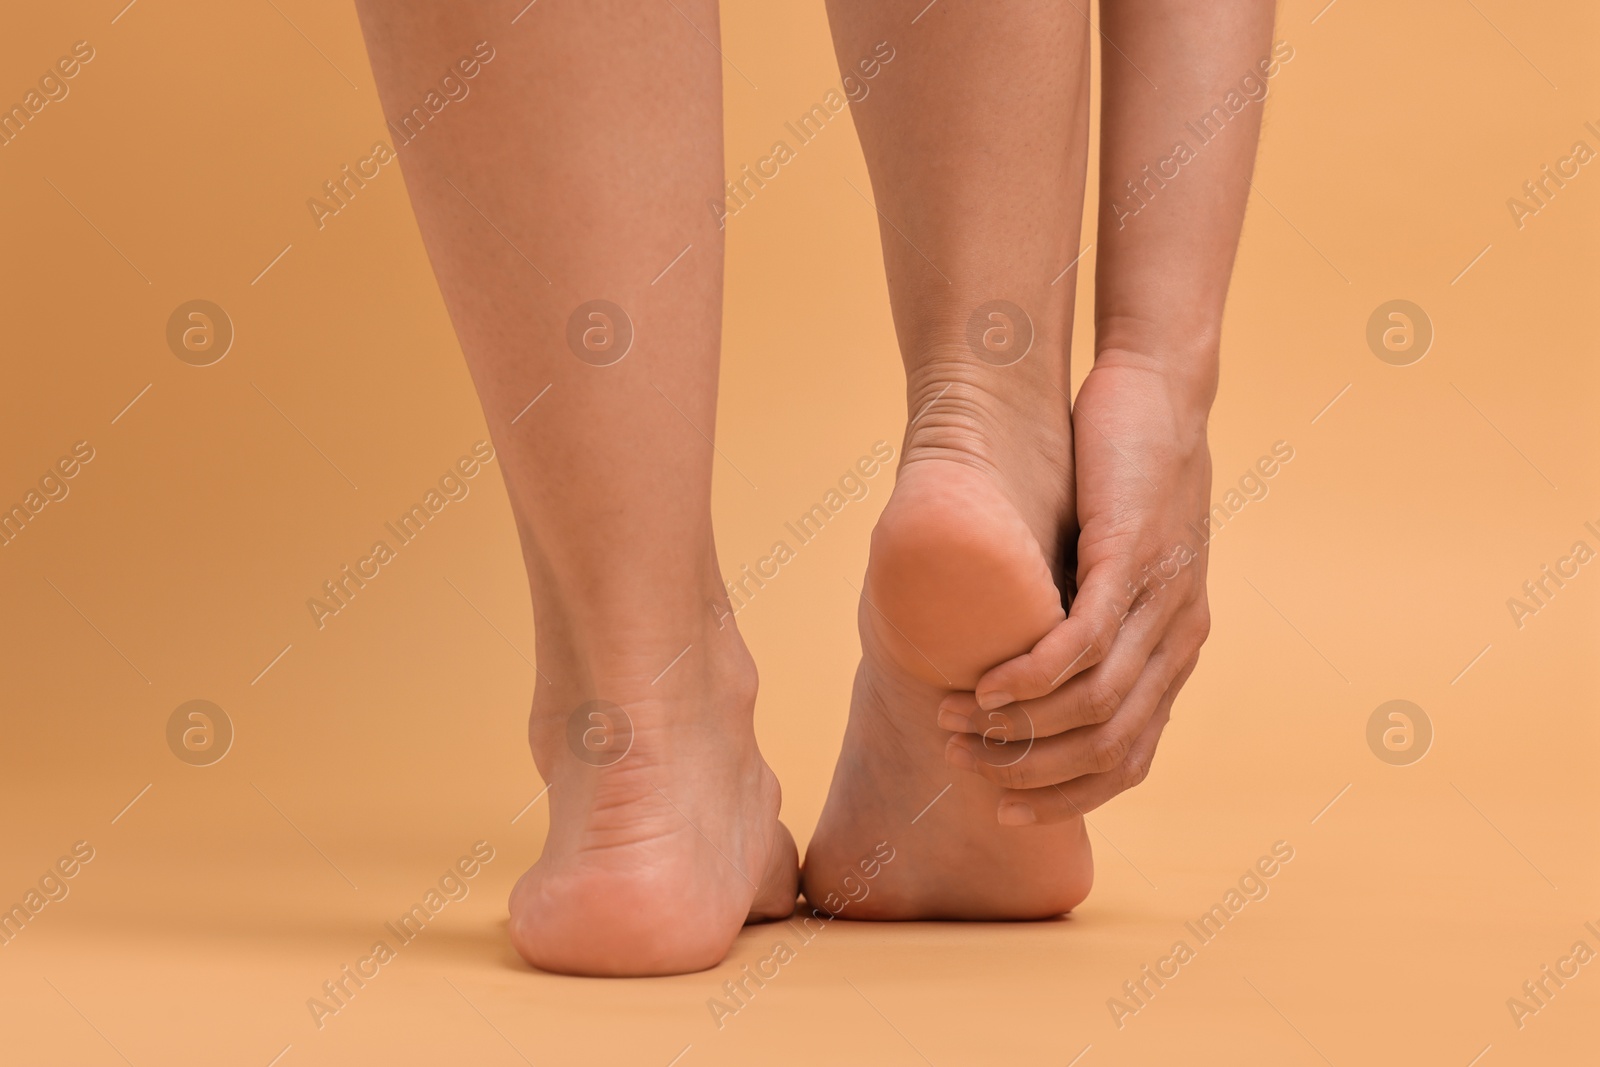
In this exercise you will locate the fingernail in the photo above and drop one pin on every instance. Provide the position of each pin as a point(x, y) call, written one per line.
point(954, 721)
point(956, 755)
point(1016, 813)
point(990, 701)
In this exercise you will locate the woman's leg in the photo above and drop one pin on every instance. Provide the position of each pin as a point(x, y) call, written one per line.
point(1175, 168)
point(576, 168)
point(975, 135)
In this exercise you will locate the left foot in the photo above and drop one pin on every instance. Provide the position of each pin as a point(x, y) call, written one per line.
point(654, 860)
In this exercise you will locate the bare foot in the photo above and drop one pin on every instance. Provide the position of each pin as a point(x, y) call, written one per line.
point(664, 834)
point(963, 575)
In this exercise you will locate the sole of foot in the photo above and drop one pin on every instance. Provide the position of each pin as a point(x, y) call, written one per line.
point(957, 582)
point(664, 835)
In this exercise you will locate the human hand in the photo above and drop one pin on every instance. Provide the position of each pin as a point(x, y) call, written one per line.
point(1074, 721)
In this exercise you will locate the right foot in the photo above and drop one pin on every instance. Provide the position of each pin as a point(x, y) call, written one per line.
point(655, 861)
point(960, 579)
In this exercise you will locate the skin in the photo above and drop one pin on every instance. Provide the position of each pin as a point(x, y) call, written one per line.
point(1050, 733)
point(971, 548)
point(593, 141)
point(1103, 681)
point(975, 137)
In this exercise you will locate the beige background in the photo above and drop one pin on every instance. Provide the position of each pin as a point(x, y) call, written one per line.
point(376, 750)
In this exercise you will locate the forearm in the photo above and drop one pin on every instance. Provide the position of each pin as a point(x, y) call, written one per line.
point(1184, 86)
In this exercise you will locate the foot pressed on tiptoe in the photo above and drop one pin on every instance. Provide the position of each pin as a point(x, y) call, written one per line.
point(963, 575)
point(664, 834)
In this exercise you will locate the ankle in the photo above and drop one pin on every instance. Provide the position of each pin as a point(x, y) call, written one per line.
point(650, 652)
point(957, 405)
point(629, 656)
point(605, 617)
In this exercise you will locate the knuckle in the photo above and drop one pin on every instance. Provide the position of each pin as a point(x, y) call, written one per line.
point(1101, 701)
point(1108, 750)
point(1016, 775)
point(1101, 635)
point(1037, 679)
point(1014, 729)
point(1135, 771)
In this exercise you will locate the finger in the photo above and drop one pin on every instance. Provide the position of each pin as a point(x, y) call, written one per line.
point(1041, 761)
point(1074, 645)
point(1092, 696)
point(1058, 803)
